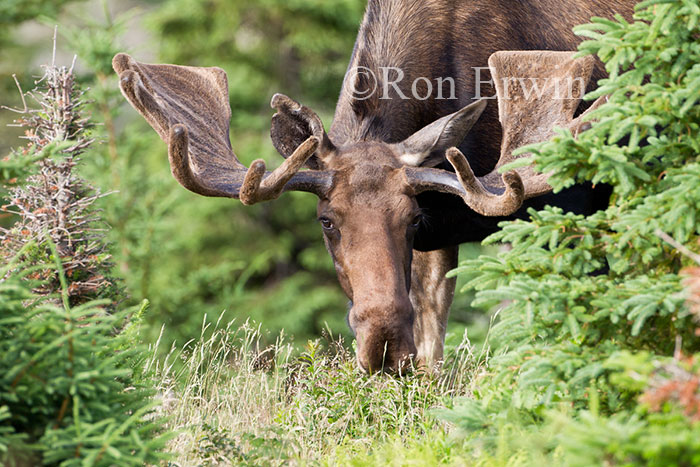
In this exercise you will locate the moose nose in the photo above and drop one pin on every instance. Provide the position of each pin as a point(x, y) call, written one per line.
point(384, 337)
point(388, 357)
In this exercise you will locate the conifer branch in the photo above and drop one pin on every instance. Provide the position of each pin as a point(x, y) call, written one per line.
point(56, 205)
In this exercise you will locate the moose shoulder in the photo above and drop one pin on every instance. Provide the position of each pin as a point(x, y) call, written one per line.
point(409, 168)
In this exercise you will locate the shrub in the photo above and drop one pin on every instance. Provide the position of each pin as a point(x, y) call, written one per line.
point(587, 295)
point(71, 388)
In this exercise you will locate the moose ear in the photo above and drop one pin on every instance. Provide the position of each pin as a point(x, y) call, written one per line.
point(427, 147)
point(292, 125)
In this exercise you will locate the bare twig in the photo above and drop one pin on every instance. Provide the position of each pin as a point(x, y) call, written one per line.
point(668, 239)
point(53, 56)
point(21, 94)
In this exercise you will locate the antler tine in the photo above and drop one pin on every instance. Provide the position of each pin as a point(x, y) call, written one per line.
point(480, 199)
point(255, 187)
point(466, 185)
point(197, 131)
point(527, 115)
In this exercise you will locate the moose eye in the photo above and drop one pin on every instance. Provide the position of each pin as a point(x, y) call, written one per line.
point(326, 223)
point(415, 223)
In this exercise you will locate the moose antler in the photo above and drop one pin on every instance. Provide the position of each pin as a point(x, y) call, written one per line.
point(292, 123)
point(536, 92)
point(189, 108)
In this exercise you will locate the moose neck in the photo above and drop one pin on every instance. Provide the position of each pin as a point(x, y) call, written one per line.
point(407, 39)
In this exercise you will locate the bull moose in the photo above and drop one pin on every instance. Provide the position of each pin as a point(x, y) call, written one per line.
point(407, 171)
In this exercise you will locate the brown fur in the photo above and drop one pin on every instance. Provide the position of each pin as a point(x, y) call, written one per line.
point(370, 200)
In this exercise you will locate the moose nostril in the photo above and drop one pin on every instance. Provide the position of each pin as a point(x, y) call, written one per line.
point(375, 362)
point(364, 364)
point(394, 358)
point(371, 363)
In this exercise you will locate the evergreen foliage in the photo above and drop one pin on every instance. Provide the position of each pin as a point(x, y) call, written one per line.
point(71, 391)
point(54, 206)
point(16, 11)
point(588, 299)
point(72, 388)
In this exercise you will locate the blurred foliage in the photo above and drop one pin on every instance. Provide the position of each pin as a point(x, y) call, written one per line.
point(16, 11)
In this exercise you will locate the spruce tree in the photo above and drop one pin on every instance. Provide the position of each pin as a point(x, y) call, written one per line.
point(72, 387)
point(593, 311)
point(55, 206)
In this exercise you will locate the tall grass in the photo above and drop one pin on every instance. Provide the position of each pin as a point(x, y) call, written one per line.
point(235, 401)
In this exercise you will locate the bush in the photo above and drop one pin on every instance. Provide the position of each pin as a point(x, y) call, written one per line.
point(72, 391)
point(587, 295)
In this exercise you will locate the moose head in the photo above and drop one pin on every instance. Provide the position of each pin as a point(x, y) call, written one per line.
point(367, 190)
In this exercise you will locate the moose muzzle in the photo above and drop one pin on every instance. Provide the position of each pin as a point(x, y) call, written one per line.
point(384, 336)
